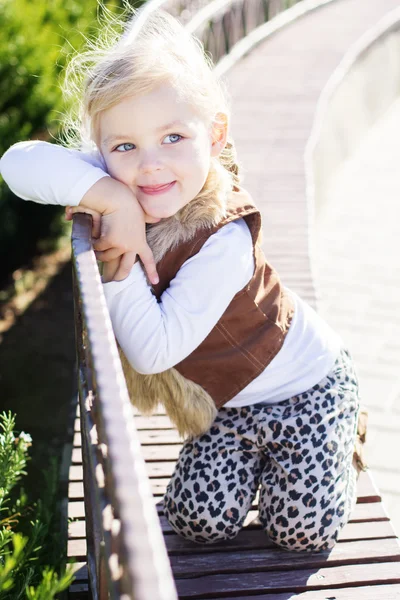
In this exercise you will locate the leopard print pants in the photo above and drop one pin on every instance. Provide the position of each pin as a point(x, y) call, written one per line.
point(298, 453)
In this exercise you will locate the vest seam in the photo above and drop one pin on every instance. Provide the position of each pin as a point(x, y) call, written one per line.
point(229, 396)
point(228, 336)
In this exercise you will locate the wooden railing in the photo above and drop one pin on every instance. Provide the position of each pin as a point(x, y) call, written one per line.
point(126, 554)
point(220, 24)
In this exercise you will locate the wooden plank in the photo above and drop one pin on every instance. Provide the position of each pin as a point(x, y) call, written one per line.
point(80, 571)
point(163, 436)
point(75, 490)
point(158, 486)
point(78, 591)
point(160, 469)
point(153, 422)
point(151, 453)
point(376, 592)
point(292, 581)
point(76, 530)
point(76, 456)
point(352, 531)
point(366, 489)
point(161, 453)
point(76, 510)
point(158, 483)
point(255, 539)
point(273, 558)
point(77, 549)
point(367, 531)
point(372, 511)
point(76, 473)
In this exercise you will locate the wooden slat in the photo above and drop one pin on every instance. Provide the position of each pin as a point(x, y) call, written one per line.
point(366, 489)
point(378, 592)
point(292, 581)
point(160, 469)
point(163, 436)
point(273, 558)
point(154, 422)
point(367, 531)
point(372, 511)
point(77, 549)
point(78, 591)
point(247, 539)
point(352, 531)
point(80, 571)
point(76, 473)
point(150, 453)
point(76, 510)
point(75, 490)
point(76, 530)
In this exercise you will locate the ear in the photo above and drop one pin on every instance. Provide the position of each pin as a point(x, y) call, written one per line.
point(219, 132)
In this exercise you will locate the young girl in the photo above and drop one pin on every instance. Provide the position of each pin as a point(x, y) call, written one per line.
point(259, 384)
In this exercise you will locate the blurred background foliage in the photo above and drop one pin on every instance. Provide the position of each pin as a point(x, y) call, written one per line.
point(37, 36)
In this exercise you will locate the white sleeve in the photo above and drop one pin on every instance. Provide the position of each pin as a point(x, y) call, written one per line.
point(50, 174)
point(157, 335)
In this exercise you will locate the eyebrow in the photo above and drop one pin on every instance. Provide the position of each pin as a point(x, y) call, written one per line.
point(114, 138)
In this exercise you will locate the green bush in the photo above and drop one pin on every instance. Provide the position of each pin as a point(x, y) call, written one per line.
point(37, 37)
point(29, 540)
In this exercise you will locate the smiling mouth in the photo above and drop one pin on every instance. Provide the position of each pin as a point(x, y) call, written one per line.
point(153, 190)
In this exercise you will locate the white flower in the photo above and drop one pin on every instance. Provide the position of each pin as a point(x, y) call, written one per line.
point(25, 437)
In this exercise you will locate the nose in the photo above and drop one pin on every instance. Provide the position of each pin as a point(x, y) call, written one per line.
point(149, 162)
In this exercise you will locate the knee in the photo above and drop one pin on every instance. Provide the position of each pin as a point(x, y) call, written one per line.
point(316, 536)
point(202, 525)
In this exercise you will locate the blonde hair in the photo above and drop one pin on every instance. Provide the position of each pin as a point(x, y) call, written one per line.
point(144, 56)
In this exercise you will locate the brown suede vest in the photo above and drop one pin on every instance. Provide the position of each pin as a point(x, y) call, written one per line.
point(252, 329)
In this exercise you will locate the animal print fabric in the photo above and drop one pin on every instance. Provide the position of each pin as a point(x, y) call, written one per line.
point(298, 453)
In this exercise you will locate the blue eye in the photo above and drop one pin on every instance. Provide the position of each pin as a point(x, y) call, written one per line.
point(173, 137)
point(124, 146)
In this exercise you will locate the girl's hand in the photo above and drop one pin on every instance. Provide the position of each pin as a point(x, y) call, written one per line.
point(122, 230)
point(123, 234)
point(96, 218)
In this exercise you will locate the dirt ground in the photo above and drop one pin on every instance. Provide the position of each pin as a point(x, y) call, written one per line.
point(37, 362)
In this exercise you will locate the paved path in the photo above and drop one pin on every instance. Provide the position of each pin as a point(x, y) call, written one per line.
point(275, 90)
point(359, 281)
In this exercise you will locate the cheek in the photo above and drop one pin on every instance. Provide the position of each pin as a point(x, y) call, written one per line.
point(116, 169)
point(197, 160)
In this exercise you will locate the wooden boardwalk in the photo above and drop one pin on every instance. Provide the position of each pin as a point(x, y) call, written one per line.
point(281, 91)
point(367, 554)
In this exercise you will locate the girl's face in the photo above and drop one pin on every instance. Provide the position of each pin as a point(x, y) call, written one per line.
point(159, 147)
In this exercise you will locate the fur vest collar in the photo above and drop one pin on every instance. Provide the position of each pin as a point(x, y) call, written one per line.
point(190, 408)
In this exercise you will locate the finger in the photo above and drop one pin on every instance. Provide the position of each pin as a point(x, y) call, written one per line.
point(96, 225)
point(108, 255)
point(149, 219)
point(125, 266)
point(96, 218)
point(149, 264)
point(101, 244)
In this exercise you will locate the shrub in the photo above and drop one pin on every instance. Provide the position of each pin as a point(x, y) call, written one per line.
point(37, 37)
point(29, 540)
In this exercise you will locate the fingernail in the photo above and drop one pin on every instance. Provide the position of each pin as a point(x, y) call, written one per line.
point(155, 280)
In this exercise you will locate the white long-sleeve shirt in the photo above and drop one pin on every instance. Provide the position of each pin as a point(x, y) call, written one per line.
point(157, 335)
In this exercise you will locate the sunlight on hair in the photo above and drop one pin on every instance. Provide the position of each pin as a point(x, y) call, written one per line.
point(135, 52)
